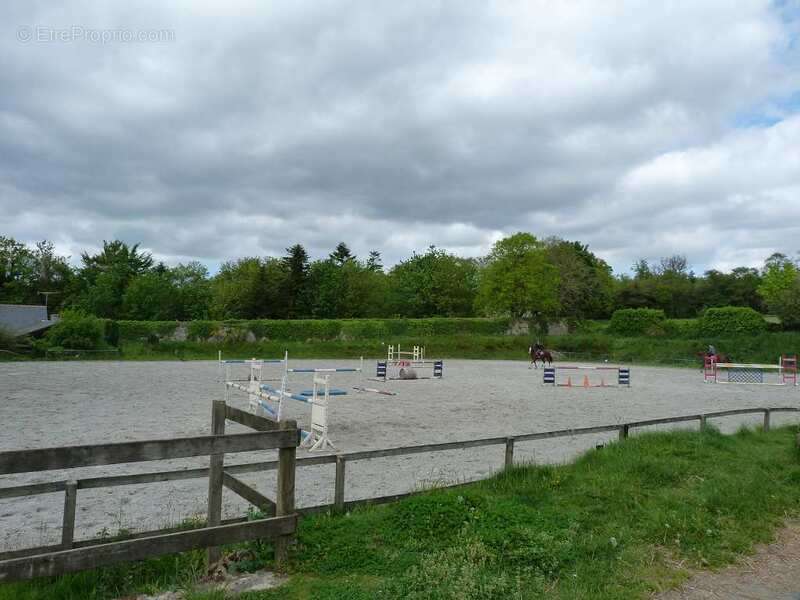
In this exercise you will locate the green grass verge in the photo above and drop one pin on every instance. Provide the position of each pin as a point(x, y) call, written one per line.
point(582, 346)
point(617, 523)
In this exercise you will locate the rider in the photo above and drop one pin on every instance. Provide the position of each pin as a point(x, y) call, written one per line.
point(712, 351)
point(538, 347)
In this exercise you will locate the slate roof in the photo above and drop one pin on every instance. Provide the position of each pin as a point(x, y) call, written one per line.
point(23, 319)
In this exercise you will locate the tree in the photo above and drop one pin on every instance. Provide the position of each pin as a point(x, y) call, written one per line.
point(586, 286)
point(105, 276)
point(26, 272)
point(780, 289)
point(374, 262)
point(151, 297)
point(341, 254)
point(295, 285)
point(193, 289)
point(433, 284)
point(519, 281)
point(249, 288)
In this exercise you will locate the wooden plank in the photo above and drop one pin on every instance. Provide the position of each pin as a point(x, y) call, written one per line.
point(405, 450)
point(66, 561)
point(33, 489)
point(734, 412)
point(68, 521)
point(665, 420)
point(785, 409)
point(141, 478)
point(287, 458)
point(509, 458)
point(338, 487)
point(69, 457)
point(215, 477)
point(250, 494)
point(529, 437)
point(84, 543)
point(156, 477)
point(250, 420)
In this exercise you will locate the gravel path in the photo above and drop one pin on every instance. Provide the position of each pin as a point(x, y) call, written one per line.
point(65, 403)
point(772, 572)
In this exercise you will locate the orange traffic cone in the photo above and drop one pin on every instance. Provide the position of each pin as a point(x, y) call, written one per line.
point(586, 381)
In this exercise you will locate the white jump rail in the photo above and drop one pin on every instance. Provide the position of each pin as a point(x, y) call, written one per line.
point(751, 373)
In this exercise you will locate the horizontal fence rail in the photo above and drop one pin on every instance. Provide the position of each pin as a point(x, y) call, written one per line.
point(65, 561)
point(71, 555)
point(326, 459)
point(70, 457)
point(268, 438)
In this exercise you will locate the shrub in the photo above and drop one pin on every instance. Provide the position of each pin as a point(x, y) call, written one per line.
point(111, 332)
point(139, 331)
point(634, 322)
point(682, 328)
point(201, 330)
point(730, 321)
point(7, 340)
point(77, 330)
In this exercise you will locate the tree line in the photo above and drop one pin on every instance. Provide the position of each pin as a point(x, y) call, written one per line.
point(543, 280)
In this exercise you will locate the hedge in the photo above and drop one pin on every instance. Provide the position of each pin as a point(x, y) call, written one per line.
point(77, 330)
point(633, 322)
point(731, 321)
point(311, 329)
point(682, 328)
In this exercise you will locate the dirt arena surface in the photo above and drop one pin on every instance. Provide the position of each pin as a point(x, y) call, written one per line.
point(66, 403)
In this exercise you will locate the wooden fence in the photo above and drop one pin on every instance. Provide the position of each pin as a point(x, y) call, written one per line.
point(69, 555)
point(29, 562)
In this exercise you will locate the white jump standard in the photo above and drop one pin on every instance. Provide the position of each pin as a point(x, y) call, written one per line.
point(622, 378)
point(256, 367)
point(404, 365)
point(268, 401)
point(783, 373)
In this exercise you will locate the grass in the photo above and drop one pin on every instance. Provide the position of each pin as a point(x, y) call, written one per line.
point(586, 346)
point(620, 522)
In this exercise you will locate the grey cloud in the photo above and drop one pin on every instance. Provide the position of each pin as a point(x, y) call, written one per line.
point(395, 126)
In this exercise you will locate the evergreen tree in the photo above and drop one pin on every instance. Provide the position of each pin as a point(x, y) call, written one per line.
point(295, 286)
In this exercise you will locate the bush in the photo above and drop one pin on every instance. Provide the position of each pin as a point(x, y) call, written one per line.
point(144, 330)
point(730, 321)
point(7, 340)
point(77, 330)
point(632, 322)
point(682, 328)
point(200, 331)
point(301, 330)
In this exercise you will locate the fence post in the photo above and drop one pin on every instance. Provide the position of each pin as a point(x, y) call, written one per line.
point(284, 505)
point(623, 432)
point(509, 453)
point(338, 491)
point(766, 419)
point(215, 478)
point(68, 524)
point(702, 423)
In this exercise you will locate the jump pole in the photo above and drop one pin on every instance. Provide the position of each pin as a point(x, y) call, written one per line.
point(751, 373)
point(623, 376)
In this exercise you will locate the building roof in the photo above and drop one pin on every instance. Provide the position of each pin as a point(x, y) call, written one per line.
point(24, 319)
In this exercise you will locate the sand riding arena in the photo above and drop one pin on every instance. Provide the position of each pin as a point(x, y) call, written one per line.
point(67, 403)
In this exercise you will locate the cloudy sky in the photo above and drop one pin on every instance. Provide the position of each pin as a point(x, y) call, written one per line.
point(211, 130)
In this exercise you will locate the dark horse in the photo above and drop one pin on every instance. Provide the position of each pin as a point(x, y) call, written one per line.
point(721, 357)
point(539, 354)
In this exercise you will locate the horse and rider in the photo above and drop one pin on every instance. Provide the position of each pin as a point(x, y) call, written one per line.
point(711, 353)
point(537, 353)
